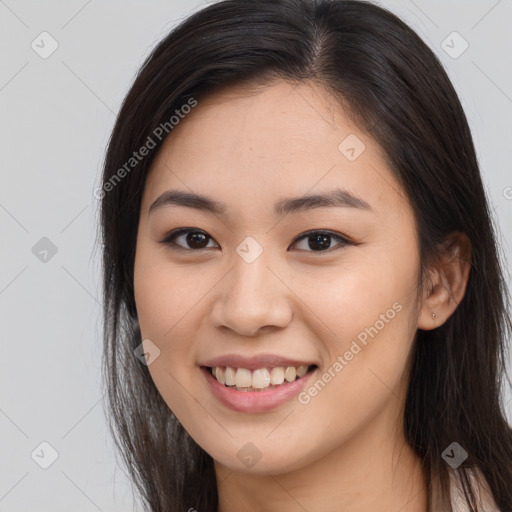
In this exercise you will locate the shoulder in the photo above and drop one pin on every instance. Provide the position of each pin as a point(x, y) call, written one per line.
point(480, 488)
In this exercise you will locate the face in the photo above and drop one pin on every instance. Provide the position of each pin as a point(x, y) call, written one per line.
point(265, 282)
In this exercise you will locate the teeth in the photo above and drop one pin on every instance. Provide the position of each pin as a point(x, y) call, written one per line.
point(290, 374)
point(243, 379)
point(301, 371)
point(229, 374)
point(260, 378)
point(277, 375)
point(219, 375)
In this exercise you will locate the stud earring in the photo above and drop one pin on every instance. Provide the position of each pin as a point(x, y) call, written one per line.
point(433, 315)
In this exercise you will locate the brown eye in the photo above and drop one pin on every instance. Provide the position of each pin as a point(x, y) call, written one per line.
point(320, 241)
point(194, 239)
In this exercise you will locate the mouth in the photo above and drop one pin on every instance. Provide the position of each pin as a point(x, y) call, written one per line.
point(259, 390)
point(261, 379)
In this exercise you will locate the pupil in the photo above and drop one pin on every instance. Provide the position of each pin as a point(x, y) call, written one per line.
point(192, 238)
point(320, 241)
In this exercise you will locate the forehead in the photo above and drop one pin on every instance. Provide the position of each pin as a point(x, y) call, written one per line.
point(249, 146)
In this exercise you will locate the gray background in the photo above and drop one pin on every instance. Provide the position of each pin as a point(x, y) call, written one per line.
point(56, 116)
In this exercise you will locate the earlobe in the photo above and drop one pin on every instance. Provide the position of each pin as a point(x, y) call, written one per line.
point(448, 281)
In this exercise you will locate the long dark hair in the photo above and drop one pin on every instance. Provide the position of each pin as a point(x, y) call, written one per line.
point(395, 88)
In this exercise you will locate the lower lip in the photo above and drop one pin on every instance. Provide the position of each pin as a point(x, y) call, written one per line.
point(255, 401)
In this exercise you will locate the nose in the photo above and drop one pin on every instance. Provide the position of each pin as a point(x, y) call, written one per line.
point(252, 298)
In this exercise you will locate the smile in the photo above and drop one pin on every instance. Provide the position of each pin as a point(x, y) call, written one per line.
point(244, 379)
point(244, 396)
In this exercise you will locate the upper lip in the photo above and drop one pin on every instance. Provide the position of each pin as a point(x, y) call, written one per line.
point(254, 362)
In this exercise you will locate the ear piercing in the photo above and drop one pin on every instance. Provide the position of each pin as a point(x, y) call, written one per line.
point(433, 315)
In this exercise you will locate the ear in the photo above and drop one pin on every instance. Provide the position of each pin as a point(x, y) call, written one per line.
point(447, 281)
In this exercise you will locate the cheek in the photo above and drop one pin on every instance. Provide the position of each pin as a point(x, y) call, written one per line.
point(368, 309)
point(366, 359)
point(163, 300)
point(164, 293)
point(350, 299)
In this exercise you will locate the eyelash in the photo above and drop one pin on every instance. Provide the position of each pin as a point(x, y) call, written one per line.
point(169, 240)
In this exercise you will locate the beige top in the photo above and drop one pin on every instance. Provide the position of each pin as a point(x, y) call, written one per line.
point(484, 497)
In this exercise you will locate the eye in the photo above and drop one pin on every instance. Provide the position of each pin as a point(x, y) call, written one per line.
point(318, 241)
point(197, 240)
point(195, 237)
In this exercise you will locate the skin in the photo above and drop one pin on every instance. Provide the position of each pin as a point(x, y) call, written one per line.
point(345, 449)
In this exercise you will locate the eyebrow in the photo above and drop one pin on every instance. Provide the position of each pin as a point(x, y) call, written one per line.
point(334, 198)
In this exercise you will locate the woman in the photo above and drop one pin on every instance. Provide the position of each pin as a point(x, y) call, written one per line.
point(304, 304)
